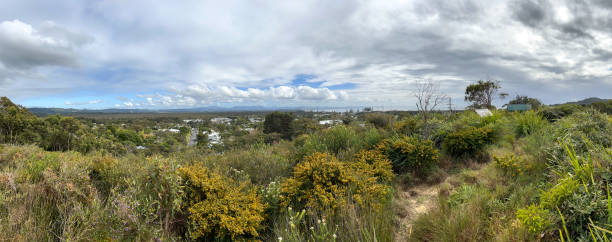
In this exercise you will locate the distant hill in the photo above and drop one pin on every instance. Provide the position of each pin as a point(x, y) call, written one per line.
point(590, 100)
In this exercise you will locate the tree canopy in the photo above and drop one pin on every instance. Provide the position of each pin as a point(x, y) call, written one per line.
point(281, 123)
point(481, 94)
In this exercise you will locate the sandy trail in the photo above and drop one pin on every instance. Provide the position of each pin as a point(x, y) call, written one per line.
point(412, 202)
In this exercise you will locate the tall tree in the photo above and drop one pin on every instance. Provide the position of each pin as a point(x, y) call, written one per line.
point(481, 94)
point(428, 96)
point(281, 123)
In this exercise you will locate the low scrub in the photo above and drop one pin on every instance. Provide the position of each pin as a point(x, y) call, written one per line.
point(467, 141)
point(409, 154)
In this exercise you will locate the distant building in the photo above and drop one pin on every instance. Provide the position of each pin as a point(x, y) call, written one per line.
point(193, 120)
point(330, 122)
point(255, 120)
point(483, 112)
point(213, 137)
point(170, 130)
point(518, 107)
point(221, 120)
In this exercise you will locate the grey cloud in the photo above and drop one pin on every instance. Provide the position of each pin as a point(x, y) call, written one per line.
point(22, 47)
point(530, 12)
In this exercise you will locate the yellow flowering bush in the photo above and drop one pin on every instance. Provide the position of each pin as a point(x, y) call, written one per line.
point(321, 181)
point(511, 164)
point(374, 164)
point(218, 208)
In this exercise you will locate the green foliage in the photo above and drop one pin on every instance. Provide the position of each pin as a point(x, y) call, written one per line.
point(481, 93)
point(553, 197)
point(534, 102)
point(603, 107)
point(335, 140)
point(379, 120)
point(535, 218)
point(468, 140)
point(554, 113)
point(281, 123)
point(219, 209)
point(527, 123)
point(262, 163)
point(406, 127)
point(409, 154)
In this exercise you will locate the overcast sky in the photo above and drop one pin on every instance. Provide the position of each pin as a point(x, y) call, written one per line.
point(168, 54)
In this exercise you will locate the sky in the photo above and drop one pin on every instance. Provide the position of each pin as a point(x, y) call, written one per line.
point(177, 54)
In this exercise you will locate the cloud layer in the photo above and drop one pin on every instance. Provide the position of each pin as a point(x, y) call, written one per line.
point(196, 53)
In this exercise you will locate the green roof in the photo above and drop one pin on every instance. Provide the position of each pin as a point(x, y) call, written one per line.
point(519, 107)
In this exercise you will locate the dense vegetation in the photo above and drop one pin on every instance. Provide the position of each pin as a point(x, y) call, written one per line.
point(536, 175)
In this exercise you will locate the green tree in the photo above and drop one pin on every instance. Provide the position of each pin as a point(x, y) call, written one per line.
point(481, 94)
point(281, 123)
point(535, 103)
point(14, 120)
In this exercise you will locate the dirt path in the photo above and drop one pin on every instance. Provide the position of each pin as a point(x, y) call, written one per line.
point(411, 203)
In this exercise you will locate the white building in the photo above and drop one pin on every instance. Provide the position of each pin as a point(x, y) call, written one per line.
point(213, 137)
point(221, 120)
point(330, 122)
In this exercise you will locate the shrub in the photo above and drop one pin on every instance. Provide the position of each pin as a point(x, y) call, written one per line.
point(281, 123)
point(467, 141)
point(372, 137)
point(320, 181)
point(334, 140)
point(558, 112)
point(552, 197)
point(218, 208)
point(528, 123)
point(374, 164)
point(409, 154)
point(510, 164)
point(535, 218)
point(379, 120)
point(262, 163)
point(406, 127)
point(323, 182)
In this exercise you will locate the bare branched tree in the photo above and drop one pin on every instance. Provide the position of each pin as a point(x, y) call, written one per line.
point(428, 97)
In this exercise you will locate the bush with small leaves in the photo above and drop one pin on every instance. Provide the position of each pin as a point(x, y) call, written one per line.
point(217, 208)
point(322, 182)
point(468, 140)
point(535, 218)
point(409, 154)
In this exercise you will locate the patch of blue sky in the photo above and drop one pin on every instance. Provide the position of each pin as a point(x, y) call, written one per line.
point(303, 80)
point(343, 86)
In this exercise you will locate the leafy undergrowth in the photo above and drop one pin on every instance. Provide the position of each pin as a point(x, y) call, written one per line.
point(548, 184)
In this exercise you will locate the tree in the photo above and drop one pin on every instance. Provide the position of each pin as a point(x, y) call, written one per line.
point(14, 120)
point(535, 103)
point(428, 98)
point(481, 94)
point(281, 123)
